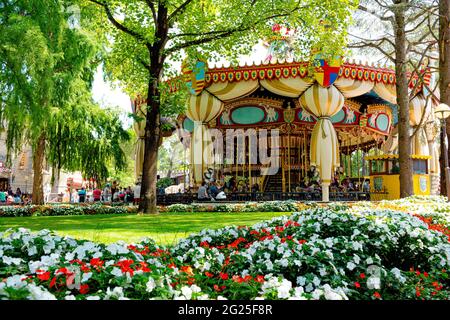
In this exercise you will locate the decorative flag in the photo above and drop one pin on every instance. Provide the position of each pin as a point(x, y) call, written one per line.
point(195, 79)
point(327, 73)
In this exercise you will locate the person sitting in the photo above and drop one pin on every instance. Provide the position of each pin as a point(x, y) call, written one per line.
point(122, 195)
point(348, 184)
point(17, 198)
point(202, 193)
point(213, 190)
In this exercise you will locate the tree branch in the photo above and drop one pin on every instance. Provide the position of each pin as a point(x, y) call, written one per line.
point(118, 25)
point(179, 10)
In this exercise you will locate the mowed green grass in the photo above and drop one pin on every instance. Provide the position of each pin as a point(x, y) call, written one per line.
point(164, 228)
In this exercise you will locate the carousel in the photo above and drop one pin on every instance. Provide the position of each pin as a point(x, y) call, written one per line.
point(339, 117)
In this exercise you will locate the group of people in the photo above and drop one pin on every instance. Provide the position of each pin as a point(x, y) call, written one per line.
point(109, 193)
point(10, 197)
point(211, 191)
point(347, 185)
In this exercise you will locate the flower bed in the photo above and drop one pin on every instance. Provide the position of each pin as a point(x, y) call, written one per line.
point(338, 252)
point(266, 206)
point(64, 210)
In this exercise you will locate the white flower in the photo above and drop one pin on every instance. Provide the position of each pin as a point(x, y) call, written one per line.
point(374, 282)
point(195, 288)
point(284, 262)
point(350, 265)
point(116, 293)
point(116, 272)
point(70, 297)
point(356, 258)
point(283, 290)
point(187, 292)
point(93, 298)
point(369, 260)
point(309, 287)
point(221, 298)
point(301, 281)
point(316, 281)
point(150, 285)
point(331, 294)
point(86, 276)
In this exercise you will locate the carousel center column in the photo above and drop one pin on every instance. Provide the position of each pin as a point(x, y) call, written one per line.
point(324, 102)
point(202, 109)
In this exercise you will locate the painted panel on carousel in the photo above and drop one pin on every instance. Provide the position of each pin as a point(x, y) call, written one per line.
point(305, 116)
point(379, 121)
point(247, 115)
point(338, 117)
point(188, 124)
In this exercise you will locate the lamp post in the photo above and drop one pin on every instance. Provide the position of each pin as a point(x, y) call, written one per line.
point(442, 112)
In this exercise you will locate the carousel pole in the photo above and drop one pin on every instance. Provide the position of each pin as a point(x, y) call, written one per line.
point(359, 156)
point(249, 162)
point(289, 160)
point(300, 159)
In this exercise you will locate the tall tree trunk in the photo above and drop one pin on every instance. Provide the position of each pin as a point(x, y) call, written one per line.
point(404, 140)
point(152, 142)
point(444, 72)
point(38, 167)
point(153, 136)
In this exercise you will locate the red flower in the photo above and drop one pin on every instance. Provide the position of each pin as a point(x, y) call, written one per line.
point(217, 288)
point(172, 265)
point(96, 262)
point(362, 275)
point(248, 278)
point(53, 282)
point(204, 244)
point(377, 295)
point(238, 279)
point(223, 276)
point(209, 274)
point(187, 269)
point(259, 279)
point(357, 285)
point(84, 288)
point(425, 274)
point(44, 276)
point(417, 292)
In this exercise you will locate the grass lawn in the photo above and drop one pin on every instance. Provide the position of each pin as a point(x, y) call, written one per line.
point(165, 228)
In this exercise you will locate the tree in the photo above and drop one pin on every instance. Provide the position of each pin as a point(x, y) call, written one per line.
point(46, 68)
point(148, 34)
point(406, 41)
point(444, 73)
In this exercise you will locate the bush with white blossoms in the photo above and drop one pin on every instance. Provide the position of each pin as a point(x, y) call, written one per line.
point(362, 251)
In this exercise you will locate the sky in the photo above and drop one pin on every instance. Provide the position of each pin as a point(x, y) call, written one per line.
point(107, 95)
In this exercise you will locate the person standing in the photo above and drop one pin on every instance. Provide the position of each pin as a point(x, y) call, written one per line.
point(96, 194)
point(107, 193)
point(2, 197)
point(82, 195)
point(114, 190)
point(137, 192)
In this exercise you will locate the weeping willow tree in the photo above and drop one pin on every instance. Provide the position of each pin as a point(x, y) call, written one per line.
point(46, 71)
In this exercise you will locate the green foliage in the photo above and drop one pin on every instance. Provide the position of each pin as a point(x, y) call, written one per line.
point(214, 30)
point(46, 71)
point(164, 182)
